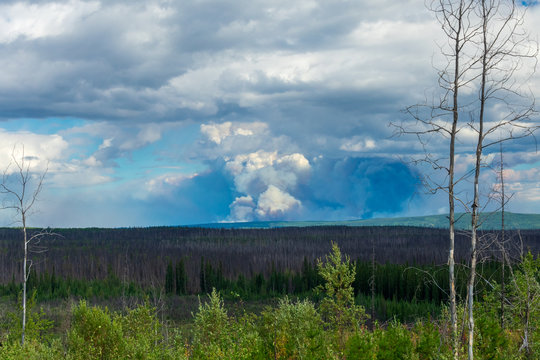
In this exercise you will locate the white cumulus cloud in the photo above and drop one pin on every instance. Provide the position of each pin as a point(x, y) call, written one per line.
point(242, 209)
point(358, 144)
point(276, 203)
point(216, 133)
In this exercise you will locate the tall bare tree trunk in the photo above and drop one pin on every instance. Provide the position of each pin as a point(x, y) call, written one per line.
point(503, 250)
point(474, 255)
point(457, 21)
point(451, 258)
point(451, 198)
point(485, 48)
point(25, 278)
point(476, 192)
point(21, 190)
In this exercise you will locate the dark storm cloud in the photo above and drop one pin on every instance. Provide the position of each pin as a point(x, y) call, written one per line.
point(359, 187)
point(203, 198)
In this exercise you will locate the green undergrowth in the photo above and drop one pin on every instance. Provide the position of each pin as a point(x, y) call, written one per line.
point(333, 327)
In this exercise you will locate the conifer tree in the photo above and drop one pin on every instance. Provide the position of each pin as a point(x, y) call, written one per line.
point(169, 283)
point(181, 278)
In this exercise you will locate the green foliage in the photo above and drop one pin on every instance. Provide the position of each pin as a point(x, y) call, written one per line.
point(525, 296)
point(395, 343)
point(97, 334)
point(211, 334)
point(216, 336)
point(361, 346)
point(181, 278)
point(94, 334)
point(37, 326)
point(49, 287)
point(294, 331)
point(402, 291)
point(428, 340)
point(33, 349)
point(338, 307)
point(310, 278)
point(402, 310)
point(248, 343)
point(141, 333)
point(491, 341)
point(338, 277)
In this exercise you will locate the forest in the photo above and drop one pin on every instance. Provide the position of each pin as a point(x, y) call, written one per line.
point(179, 281)
point(83, 255)
point(93, 254)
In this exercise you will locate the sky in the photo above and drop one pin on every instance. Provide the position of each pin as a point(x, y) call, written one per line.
point(162, 112)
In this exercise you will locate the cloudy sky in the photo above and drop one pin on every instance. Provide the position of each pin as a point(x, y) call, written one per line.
point(164, 112)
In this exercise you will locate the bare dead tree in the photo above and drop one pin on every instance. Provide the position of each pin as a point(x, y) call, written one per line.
point(441, 118)
point(503, 235)
point(484, 52)
point(20, 188)
point(503, 239)
point(503, 48)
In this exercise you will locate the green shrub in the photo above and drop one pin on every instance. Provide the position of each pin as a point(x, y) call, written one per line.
point(37, 326)
point(141, 333)
point(294, 331)
point(524, 294)
point(217, 336)
point(428, 340)
point(491, 341)
point(361, 346)
point(94, 334)
point(395, 343)
point(33, 350)
point(247, 341)
point(211, 336)
point(175, 348)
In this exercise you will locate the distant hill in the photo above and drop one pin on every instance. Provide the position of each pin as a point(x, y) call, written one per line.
point(491, 221)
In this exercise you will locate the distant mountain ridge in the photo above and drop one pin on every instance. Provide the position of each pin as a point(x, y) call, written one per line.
point(489, 221)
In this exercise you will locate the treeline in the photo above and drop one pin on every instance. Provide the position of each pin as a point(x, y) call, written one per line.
point(141, 255)
point(391, 281)
point(401, 291)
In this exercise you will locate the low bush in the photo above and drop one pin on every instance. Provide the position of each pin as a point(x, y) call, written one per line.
point(294, 331)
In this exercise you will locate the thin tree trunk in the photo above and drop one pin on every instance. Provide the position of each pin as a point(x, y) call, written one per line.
point(476, 197)
point(25, 278)
point(451, 275)
point(476, 200)
point(503, 254)
point(470, 286)
point(451, 200)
